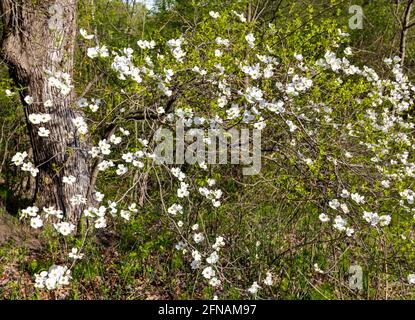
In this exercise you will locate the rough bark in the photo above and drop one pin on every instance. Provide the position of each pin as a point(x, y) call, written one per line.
point(39, 36)
point(405, 28)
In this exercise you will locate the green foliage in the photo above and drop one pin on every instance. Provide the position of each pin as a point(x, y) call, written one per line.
point(270, 221)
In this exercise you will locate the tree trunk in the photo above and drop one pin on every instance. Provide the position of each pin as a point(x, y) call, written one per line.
point(39, 36)
point(405, 28)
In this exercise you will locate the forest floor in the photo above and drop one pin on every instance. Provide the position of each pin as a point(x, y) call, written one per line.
point(21, 253)
point(13, 231)
point(15, 238)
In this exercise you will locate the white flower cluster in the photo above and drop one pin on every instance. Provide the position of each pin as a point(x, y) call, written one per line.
point(178, 173)
point(60, 80)
point(341, 225)
point(136, 157)
point(121, 169)
point(36, 118)
point(37, 220)
point(97, 51)
point(408, 195)
point(105, 164)
point(56, 277)
point(93, 105)
point(250, 38)
point(254, 288)
point(253, 71)
point(208, 271)
point(222, 42)
point(214, 14)
point(183, 190)
point(85, 34)
point(18, 161)
point(125, 68)
point(19, 157)
point(75, 254)
point(175, 209)
point(176, 50)
point(98, 215)
point(64, 228)
point(268, 279)
point(80, 124)
point(202, 72)
point(145, 44)
point(28, 100)
point(357, 198)
point(219, 243)
point(254, 94)
point(213, 195)
point(240, 16)
point(298, 84)
point(43, 132)
point(374, 219)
